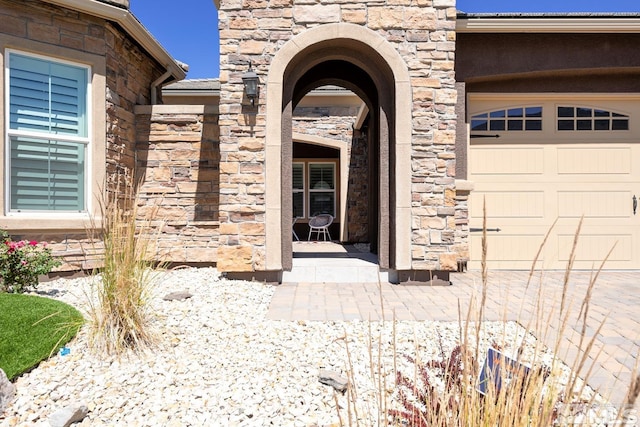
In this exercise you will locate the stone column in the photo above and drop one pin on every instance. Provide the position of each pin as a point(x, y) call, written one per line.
point(245, 31)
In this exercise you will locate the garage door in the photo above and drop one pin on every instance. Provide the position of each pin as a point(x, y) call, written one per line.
point(534, 160)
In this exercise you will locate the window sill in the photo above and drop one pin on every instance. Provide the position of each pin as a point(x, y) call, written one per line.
point(48, 222)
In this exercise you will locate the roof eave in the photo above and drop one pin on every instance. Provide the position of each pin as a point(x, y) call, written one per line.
point(188, 92)
point(547, 24)
point(132, 26)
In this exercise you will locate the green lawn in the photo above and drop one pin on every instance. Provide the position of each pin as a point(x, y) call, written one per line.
point(31, 329)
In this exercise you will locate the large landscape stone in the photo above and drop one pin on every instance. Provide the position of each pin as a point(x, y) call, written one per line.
point(333, 379)
point(69, 415)
point(7, 391)
point(177, 296)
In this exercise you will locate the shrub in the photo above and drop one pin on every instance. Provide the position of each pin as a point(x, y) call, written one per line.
point(521, 399)
point(120, 315)
point(21, 262)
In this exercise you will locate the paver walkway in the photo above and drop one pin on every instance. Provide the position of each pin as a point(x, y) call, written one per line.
point(615, 299)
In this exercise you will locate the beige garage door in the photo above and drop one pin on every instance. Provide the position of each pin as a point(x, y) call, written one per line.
point(537, 159)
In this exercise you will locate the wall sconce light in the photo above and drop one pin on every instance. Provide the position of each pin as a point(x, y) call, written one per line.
point(250, 81)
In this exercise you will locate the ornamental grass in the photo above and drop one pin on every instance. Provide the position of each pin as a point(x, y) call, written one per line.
point(529, 385)
point(120, 313)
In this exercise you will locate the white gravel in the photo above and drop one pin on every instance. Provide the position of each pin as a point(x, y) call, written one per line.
point(221, 362)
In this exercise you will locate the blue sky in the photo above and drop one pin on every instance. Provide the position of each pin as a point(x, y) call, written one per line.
point(190, 32)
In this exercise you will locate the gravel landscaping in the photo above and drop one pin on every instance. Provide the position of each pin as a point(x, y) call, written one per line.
point(220, 362)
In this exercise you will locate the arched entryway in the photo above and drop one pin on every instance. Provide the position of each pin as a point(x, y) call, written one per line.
point(339, 151)
point(360, 60)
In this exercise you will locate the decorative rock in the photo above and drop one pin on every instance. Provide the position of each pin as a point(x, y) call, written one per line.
point(333, 379)
point(7, 391)
point(177, 296)
point(270, 366)
point(69, 415)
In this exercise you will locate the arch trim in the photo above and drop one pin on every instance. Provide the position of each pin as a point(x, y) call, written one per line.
point(402, 135)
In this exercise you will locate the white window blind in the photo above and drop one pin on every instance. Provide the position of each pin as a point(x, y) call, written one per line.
point(46, 175)
point(48, 134)
point(322, 197)
point(298, 190)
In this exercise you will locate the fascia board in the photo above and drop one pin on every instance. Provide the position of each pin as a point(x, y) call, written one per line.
point(548, 25)
point(188, 92)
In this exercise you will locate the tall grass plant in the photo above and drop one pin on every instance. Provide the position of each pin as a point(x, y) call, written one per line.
point(120, 313)
point(532, 387)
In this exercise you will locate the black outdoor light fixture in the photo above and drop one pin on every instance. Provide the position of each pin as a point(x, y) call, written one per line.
point(250, 81)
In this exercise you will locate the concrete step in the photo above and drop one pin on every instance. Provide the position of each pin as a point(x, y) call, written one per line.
point(334, 269)
point(333, 262)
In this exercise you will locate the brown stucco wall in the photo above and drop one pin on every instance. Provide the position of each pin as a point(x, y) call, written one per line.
point(126, 73)
point(548, 62)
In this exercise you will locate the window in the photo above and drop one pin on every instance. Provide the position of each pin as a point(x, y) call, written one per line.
point(510, 119)
point(314, 188)
point(48, 134)
point(322, 189)
point(585, 119)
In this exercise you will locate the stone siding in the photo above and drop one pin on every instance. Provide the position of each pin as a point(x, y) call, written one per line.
point(129, 75)
point(178, 158)
point(358, 191)
point(461, 238)
point(339, 128)
point(423, 34)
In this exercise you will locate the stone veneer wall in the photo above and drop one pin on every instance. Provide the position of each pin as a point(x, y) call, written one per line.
point(358, 191)
point(422, 32)
point(461, 238)
point(339, 128)
point(178, 157)
point(129, 75)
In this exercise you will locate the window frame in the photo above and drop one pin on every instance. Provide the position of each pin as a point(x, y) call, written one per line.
point(322, 190)
point(503, 115)
point(86, 141)
point(575, 119)
point(307, 162)
point(480, 102)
